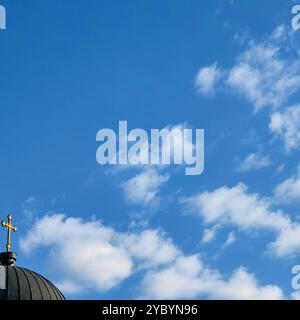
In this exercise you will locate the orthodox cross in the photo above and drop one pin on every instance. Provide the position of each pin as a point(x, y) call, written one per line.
point(9, 227)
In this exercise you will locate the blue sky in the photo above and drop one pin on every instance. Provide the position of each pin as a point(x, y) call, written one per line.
point(70, 68)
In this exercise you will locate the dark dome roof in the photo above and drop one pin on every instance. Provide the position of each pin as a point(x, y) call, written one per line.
point(22, 284)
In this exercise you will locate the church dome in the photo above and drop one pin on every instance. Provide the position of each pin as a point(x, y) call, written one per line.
point(23, 284)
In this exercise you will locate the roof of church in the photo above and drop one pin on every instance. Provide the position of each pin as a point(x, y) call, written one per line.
point(22, 284)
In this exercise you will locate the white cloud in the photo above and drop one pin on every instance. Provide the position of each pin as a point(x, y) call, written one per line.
point(235, 206)
point(243, 286)
point(286, 125)
point(267, 74)
point(289, 190)
point(264, 73)
point(150, 246)
point(254, 161)
point(207, 79)
point(30, 208)
point(263, 76)
point(188, 278)
point(248, 212)
point(279, 32)
point(143, 188)
point(288, 242)
point(85, 251)
point(209, 234)
point(231, 238)
point(90, 256)
point(179, 280)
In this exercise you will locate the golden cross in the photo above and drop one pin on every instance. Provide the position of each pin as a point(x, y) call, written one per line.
point(9, 227)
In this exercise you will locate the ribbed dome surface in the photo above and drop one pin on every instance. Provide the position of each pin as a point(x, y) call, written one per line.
point(22, 284)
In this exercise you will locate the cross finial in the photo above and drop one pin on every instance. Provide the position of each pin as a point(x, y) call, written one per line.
point(9, 227)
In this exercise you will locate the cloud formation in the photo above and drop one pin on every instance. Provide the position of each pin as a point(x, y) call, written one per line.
point(249, 212)
point(146, 181)
point(235, 206)
point(207, 79)
point(263, 73)
point(267, 74)
point(288, 191)
point(188, 278)
point(90, 256)
point(285, 124)
point(254, 161)
point(143, 188)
